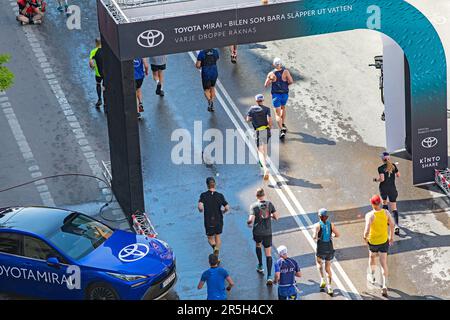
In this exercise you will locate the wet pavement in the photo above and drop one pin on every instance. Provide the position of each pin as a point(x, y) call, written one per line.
point(328, 159)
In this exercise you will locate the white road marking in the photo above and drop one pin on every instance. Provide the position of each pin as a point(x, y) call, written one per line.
point(285, 187)
point(25, 149)
point(67, 109)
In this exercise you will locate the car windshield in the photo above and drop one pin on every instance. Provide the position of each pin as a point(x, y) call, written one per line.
point(79, 235)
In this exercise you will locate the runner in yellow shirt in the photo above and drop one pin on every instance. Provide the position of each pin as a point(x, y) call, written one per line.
point(379, 235)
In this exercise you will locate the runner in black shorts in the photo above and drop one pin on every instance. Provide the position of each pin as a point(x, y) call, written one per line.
point(213, 205)
point(158, 65)
point(261, 214)
point(261, 120)
point(323, 234)
point(388, 191)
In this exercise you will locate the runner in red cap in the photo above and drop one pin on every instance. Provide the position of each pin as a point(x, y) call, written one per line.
point(376, 235)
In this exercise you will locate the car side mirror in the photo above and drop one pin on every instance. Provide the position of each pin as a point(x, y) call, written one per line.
point(53, 262)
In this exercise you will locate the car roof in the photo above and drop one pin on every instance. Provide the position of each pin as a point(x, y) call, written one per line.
point(41, 221)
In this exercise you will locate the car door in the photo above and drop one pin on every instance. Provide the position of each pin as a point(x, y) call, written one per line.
point(11, 262)
point(50, 280)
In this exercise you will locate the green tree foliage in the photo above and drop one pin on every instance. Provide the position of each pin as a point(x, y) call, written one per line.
point(6, 76)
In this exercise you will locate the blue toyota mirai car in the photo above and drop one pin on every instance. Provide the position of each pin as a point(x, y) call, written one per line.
point(59, 254)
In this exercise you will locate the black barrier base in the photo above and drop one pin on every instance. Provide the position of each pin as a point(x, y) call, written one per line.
point(123, 131)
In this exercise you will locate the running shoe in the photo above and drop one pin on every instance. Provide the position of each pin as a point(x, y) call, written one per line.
point(282, 134)
point(66, 8)
point(158, 89)
point(141, 107)
point(259, 268)
point(60, 9)
point(233, 58)
point(384, 292)
point(284, 128)
point(330, 291)
point(161, 93)
point(371, 278)
point(139, 116)
point(210, 106)
point(323, 284)
point(269, 281)
point(397, 230)
point(98, 104)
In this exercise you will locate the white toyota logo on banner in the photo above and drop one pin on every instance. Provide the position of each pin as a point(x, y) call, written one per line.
point(133, 252)
point(150, 38)
point(429, 142)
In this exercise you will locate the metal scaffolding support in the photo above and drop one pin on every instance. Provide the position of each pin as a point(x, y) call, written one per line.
point(442, 179)
point(141, 222)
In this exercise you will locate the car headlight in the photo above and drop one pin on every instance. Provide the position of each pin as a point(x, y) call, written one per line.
point(165, 244)
point(127, 277)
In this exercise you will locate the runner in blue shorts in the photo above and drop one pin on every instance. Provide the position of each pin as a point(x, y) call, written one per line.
point(280, 78)
point(207, 62)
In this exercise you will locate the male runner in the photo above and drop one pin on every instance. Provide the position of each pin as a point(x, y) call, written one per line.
point(261, 120)
point(140, 72)
point(281, 79)
point(215, 278)
point(213, 205)
point(207, 61)
point(323, 232)
point(376, 235)
point(96, 63)
point(286, 269)
point(158, 65)
point(261, 214)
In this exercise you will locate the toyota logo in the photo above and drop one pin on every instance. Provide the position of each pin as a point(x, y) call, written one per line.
point(133, 252)
point(429, 142)
point(150, 38)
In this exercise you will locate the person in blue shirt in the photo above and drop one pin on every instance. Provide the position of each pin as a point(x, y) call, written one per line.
point(140, 72)
point(323, 234)
point(207, 62)
point(286, 269)
point(215, 278)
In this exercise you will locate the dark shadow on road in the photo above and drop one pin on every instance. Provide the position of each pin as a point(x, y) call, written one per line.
point(291, 181)
point(395, 294)
point(307, 138)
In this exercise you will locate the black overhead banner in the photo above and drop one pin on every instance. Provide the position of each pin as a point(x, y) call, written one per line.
point(395, 18)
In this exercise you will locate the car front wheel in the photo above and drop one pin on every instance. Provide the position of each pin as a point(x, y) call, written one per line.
point(101, 292)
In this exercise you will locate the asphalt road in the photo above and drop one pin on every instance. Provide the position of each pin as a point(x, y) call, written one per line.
point(328, 159)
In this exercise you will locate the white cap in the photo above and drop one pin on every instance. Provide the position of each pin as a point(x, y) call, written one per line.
point(259, 97)
point(277, 62)
point(282, 250)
